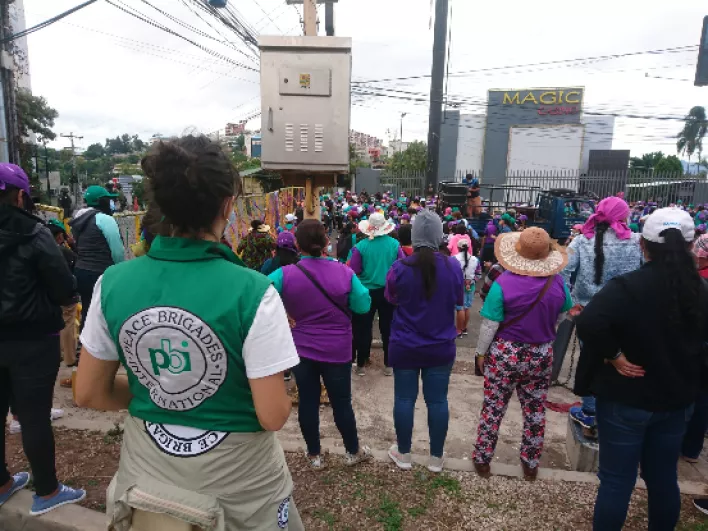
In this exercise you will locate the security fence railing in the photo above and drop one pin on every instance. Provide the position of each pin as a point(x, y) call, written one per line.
point(524, 186)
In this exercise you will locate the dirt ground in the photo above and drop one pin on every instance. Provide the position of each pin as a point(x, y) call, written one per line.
point(378, 495)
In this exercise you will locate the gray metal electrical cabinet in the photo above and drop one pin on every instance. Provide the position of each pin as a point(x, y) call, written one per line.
point(305, 103)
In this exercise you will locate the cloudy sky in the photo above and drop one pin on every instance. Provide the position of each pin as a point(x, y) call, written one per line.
point(108, 73)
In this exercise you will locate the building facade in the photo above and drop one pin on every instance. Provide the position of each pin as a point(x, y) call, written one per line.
point(529, 130)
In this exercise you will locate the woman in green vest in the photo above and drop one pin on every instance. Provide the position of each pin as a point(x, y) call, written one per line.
point(204, 342)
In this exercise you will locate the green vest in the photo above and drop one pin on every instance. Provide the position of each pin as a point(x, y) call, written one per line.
point(180, 317)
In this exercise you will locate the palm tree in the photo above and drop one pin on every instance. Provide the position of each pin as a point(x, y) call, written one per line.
point(690, 139)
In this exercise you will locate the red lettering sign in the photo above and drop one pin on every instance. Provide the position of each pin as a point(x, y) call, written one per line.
point(556, 111)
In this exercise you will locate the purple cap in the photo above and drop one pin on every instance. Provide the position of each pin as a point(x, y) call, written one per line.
point(14, 176)
point(286, 240)
point(406, 217)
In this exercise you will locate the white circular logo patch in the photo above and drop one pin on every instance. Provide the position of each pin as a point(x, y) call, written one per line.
point(175, 355)
point(284, 513)
point(182, 441)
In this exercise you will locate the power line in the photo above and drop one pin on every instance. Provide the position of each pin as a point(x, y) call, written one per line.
point(148, 20)
point(678, 49)
point(48, 22)
point(195, 30)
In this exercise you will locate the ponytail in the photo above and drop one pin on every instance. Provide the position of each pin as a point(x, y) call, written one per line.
point(600, 230)
point(681, 278)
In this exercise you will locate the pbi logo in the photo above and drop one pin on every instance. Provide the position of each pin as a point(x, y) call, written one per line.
point(175, 361)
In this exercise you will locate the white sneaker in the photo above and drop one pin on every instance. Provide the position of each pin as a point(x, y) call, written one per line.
point(15, 427)
point(316, 462)
point(435, 464)
point(56, 413)
point(402, 461)
point(388, 371)
point(363, 455)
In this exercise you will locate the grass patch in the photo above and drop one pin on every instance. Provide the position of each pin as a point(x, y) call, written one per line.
point(415, 512)
point(327, 517)
point(700, 526)
point(390, 514)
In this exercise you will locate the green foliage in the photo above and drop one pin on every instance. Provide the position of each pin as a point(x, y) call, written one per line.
point(241, 142)
point(243, 162)
point(94, 151)
point(646, 162)
point(355, 161)
point(690, 139)
point(139, 191)
point(414, 159)
point(124, 144)
point(35, 115)
point(670, 164)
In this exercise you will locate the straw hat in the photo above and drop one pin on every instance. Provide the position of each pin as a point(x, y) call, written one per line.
point(531, 253)
point(376, 225)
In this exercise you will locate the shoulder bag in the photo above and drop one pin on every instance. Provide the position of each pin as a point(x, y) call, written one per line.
point(323, 291)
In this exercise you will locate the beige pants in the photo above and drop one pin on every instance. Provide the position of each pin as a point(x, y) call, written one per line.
point(67, 337)
point(240, 483)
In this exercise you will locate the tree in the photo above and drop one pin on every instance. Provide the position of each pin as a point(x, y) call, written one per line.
point(241, 143)
point(414, 159)
point(35, 115)
point(646, 162)
point(355, 160)
point(116, 146)
point(690, 139)
point(94, 151)
point(670, 164)
point(138, 146)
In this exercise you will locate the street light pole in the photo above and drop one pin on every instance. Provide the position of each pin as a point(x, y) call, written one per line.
point(400, 145)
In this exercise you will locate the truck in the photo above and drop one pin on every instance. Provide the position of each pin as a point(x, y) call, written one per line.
point(555, 210)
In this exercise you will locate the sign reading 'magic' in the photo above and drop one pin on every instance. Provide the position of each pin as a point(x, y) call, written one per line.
point(546, 97)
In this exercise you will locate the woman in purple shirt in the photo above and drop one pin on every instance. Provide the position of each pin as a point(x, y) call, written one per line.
point(320, 294)
point(425, 288)
point(515, 348)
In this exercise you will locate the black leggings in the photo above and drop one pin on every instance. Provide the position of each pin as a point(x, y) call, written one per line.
point(28, 371)
point(363, 327)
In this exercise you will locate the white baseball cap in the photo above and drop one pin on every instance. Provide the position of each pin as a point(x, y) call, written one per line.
point(668, 218)
point(289, 218)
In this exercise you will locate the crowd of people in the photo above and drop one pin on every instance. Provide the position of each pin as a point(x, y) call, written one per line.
point(208, 336)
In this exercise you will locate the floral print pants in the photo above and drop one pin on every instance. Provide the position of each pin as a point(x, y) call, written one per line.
point(526, 368)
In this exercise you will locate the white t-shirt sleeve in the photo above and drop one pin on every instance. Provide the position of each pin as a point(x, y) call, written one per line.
point(269, 347)
point(95, 338)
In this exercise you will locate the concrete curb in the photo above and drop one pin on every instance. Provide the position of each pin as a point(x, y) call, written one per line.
point(690, 488)
point(14, 516)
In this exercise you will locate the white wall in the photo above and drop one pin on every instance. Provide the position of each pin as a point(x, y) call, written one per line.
point(599, 131)
point(543, 148)
point(470, 143)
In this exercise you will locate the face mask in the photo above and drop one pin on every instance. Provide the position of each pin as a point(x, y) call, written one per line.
point(113, 205)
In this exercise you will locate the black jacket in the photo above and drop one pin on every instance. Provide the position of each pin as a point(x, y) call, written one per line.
point(34, 277)
point(629, 315)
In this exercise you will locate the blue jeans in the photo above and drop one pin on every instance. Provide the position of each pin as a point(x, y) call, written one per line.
point(435, 383)
point(696, 429)
point(337, 378)
point(589, 406)
point(630, 437)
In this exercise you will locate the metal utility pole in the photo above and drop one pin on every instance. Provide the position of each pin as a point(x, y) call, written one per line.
point(74, 175)
point(46, 165)
point(329, 19)
point(400, 140)
point(437, 82)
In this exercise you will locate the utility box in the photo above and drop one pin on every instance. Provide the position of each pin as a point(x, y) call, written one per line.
point(305, 103)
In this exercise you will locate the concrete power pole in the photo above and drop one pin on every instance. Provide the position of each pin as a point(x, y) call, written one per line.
point(310, 18)
point(75, 188)
point(436, 92)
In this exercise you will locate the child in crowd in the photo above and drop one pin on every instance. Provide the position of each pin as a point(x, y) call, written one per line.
point(472, 272)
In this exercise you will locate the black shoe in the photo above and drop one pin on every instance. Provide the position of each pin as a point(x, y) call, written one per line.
point(701, 504)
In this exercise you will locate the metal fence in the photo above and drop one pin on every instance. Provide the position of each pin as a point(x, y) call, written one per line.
point(524, 186)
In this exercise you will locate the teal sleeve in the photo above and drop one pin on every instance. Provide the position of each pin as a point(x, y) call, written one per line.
point(359, 298)
point(568, 299)
point(108, 226)
point(277, 278)
point(493, 308)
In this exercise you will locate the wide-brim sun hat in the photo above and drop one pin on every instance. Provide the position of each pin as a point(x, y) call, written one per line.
point(376, 225)
point(530, 253)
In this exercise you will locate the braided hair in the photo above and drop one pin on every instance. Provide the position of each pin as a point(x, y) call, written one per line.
point(600, 230)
